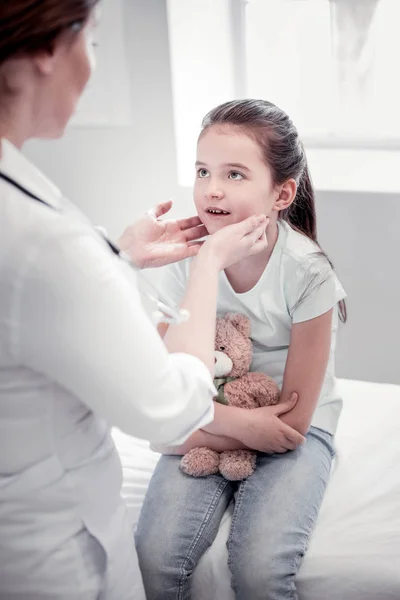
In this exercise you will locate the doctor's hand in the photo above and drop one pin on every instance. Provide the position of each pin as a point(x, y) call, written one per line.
point(153, 242)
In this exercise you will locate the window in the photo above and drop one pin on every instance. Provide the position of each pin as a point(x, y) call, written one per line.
point(331, 64)
point(283, 63)
point(202, 69)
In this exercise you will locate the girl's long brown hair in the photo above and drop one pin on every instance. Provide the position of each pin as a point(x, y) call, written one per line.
point(283, 152)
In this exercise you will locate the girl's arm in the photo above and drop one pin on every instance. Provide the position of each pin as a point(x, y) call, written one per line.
point(162, 329)
point(200, 439)
point(261, 429)
point(306, 364)
point(196, 336)
point(305, 370)
point(258, 429)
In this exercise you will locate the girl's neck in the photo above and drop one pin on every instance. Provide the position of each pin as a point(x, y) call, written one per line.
point(244, 275)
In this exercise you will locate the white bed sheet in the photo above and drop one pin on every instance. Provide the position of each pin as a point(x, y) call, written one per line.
point(355, 549)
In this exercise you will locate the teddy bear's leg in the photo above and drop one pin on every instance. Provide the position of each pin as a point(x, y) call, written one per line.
point(236, 465)
point(200, 462)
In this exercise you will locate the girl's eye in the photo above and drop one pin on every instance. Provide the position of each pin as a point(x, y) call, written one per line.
point(201, 173)
point(235, 176)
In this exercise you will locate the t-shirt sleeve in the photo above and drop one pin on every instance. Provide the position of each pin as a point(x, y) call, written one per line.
point(172, 283)
point(313, 290)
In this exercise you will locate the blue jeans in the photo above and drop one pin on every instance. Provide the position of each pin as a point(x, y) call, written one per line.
point(275, 512)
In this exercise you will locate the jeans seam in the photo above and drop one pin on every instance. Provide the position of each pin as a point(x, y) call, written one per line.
point(297, 562)
point(297, 559)
point(217, 495)
point(311, 527)
point(238, 502)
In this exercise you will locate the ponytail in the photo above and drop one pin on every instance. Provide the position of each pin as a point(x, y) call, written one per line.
point(301, 214)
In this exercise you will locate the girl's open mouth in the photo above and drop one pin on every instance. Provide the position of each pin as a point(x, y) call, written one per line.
point(217, 212)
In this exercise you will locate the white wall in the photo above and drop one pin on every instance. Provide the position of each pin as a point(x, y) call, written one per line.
point(114, 174)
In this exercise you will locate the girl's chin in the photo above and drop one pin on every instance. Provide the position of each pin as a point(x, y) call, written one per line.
point(215, 225)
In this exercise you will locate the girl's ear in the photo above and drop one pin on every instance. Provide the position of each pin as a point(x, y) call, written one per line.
point(286, 194)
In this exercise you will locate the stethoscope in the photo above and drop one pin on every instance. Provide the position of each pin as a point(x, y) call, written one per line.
point(162, 313)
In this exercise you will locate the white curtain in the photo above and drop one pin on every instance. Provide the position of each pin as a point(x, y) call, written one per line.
point(365, 48)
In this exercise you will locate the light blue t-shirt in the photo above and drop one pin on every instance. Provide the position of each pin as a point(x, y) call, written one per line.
point(298, 284)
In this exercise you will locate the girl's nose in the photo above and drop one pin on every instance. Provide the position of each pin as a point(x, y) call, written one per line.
point(215, 192)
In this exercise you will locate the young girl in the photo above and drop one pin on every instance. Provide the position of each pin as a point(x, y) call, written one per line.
point(250, 159)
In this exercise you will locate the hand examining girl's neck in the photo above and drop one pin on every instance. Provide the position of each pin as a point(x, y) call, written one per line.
point(244, 275)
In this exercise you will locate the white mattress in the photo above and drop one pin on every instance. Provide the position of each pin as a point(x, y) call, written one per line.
point(355, 550)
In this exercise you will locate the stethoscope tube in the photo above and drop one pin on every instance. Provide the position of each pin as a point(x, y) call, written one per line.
point(26, 192)
point(163, 313)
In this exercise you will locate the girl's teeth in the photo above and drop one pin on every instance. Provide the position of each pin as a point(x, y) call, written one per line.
point(218, 212)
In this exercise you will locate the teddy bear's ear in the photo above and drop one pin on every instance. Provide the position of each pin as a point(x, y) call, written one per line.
point(240, 322)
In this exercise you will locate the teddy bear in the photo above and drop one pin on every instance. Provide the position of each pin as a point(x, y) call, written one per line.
point(236, 386)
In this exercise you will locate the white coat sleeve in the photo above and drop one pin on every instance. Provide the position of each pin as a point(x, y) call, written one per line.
point(81, 323)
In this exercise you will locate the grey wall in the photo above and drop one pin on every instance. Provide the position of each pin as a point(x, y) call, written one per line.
point(360, 232)
point(114, 174)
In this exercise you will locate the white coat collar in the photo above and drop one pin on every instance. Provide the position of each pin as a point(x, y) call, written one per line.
point(18, 168)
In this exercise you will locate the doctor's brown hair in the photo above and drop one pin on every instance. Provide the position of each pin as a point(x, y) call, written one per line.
point(31, 26)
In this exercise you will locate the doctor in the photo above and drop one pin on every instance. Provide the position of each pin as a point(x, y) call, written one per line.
point(77, 351)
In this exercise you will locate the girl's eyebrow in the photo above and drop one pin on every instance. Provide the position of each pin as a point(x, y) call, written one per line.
point(237, 166)
point(231, 165)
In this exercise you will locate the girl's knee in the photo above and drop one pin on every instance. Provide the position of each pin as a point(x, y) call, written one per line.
point(152, 547)
point(159, 565)
point(263, 576)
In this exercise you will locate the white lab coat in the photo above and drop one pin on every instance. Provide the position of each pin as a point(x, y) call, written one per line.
point(77, 355)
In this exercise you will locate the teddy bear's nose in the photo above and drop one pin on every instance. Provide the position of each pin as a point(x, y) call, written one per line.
point(215, 360)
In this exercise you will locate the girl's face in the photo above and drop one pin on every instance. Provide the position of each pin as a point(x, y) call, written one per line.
point(232, 179)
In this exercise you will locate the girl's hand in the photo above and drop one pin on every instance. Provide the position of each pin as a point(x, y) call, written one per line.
point(152, 242)
point(234, 242)
point(265, 432)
